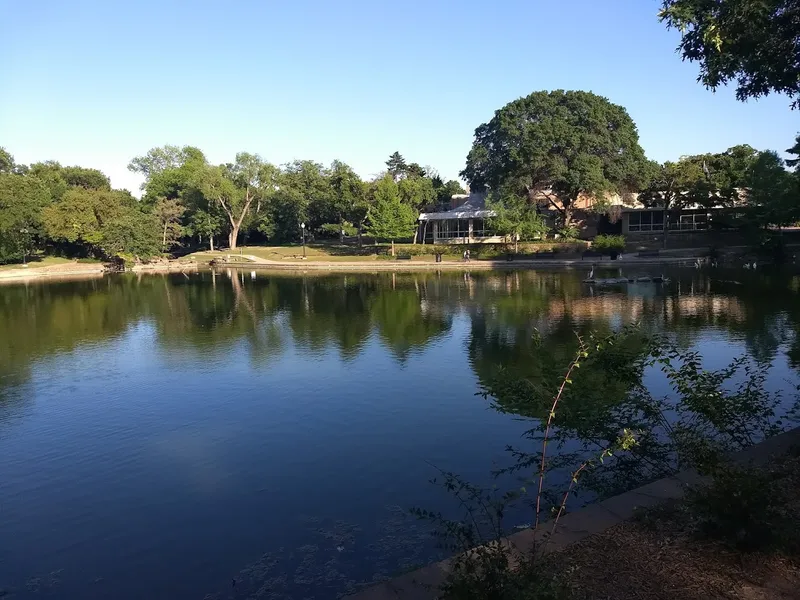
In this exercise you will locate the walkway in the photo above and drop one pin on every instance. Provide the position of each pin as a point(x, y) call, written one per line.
point(429, 265)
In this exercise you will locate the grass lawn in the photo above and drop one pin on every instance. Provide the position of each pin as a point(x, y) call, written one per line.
point(48, 261)
point(320, 253)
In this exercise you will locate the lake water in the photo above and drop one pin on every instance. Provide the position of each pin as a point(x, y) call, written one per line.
point(165, 436)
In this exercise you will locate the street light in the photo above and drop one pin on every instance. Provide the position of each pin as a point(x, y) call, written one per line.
point(303, 229)
point(24, 232)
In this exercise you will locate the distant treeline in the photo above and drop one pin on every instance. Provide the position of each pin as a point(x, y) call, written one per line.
point(538, 154)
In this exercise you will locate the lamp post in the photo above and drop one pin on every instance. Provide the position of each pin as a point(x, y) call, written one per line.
point(24, 236)
point(303, 229)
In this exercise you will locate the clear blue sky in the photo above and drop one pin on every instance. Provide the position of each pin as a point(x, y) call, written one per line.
point(96, 82)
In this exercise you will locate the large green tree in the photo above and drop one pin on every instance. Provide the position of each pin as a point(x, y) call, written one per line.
point(396, 165)
point(673, 186)
point(169, 212)
point(233, 190)
point(772, 195)
point(170, 172)
point(794, 162)
point(288, 209)
point(417, 191)
point(221, 193)
point(6, 161)
point(516, 217)
point(389, 218)
point(256, 181)
point(163, 158)
point(754, 43)
point(558, 146)
point(445, 191)
point(90, 179)
point(105, 222)
point(311, 181)
point(349, 196)
point(22, 200)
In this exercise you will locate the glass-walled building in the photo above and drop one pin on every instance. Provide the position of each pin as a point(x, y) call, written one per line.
point(465, 223)
point(656, 220)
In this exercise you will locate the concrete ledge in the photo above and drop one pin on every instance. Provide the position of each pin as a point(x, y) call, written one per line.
point(475, 265)
point(423, 584)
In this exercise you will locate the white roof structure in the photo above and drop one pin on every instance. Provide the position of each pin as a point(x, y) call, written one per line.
point(473, 208)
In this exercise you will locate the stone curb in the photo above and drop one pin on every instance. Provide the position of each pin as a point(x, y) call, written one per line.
point(500, 265)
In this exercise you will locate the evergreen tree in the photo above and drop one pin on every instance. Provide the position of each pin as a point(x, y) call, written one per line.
point(389, 218)
point(396, 166)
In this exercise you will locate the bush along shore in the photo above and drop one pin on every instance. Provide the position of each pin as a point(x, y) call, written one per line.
point(728, 531)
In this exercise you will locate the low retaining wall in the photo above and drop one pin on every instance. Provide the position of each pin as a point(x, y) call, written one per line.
point(423, 583)
point(474, 265)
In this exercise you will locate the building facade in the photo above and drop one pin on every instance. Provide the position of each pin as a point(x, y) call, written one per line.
point(465, 223)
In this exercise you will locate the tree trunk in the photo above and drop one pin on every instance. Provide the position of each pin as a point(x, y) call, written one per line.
point(164, 238)
point(233, 237)
point(392, 247)
point(567, 216)
point(211, 242)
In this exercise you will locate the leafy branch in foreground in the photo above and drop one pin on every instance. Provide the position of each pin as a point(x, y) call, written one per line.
point(487, 565)
point(617, 444)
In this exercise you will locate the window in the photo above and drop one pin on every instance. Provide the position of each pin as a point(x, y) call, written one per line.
point(689, 222)
point(479, 228)
point(455, 228)
point(646, 220)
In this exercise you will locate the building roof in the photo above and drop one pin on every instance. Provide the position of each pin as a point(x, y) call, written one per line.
point(473, 208)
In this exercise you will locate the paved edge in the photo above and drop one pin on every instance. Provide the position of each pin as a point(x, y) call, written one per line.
point(423, 583)
point(410, 265)
point(256, 263)
point(22, 275)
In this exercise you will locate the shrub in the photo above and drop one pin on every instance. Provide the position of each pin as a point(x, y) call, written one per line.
point(570, 232)
point(609, 244)
point(742, 507)
point(333, 230)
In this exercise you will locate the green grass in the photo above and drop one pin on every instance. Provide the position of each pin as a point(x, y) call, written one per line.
point(333, 252)
point(47, 261)
point(314, 253)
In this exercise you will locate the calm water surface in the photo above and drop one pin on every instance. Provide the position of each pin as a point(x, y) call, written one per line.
point(163, 435)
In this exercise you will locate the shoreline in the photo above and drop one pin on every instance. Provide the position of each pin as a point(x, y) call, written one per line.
point(476, 265)
point(66, 271)
point(595, 518)
point(92, 270)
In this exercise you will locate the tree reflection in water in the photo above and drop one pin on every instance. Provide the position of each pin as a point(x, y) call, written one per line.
point(518, 329)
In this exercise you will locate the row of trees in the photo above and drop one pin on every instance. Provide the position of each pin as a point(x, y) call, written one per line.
point(188, 201)
point(553, 149)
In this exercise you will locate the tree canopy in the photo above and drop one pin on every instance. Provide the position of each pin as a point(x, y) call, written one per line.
point(389, 217)
point(752, 43)
point(104, 221)
point(557, 146)
point(516, 218)
point(396, 165)
point(22, 200)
